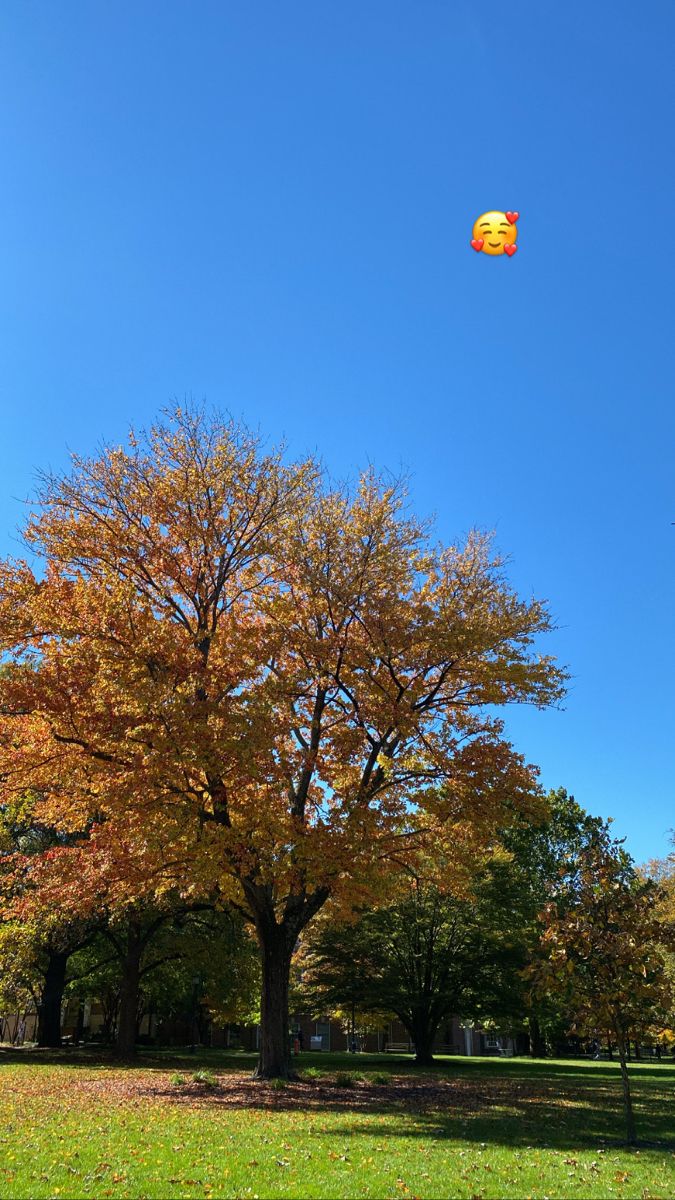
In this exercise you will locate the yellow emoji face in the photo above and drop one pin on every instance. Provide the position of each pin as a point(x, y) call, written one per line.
point(495, 233)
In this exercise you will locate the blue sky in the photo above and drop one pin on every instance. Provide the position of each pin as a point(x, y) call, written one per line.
point(269, 206)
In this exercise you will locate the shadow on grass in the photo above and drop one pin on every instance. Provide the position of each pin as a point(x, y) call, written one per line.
point(91, 1057)
point(511, 1120)
point(165, 1058)
point(508, 1111)
point(513, 1102)
point(445, 1065)
point(98, 1058)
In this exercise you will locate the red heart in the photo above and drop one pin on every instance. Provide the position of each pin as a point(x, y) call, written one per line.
point(510, 249)
point(512, 217)
point(477, 243)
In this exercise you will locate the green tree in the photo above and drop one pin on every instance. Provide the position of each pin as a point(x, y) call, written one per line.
point(425, 957)
point(543, 853)
point(149, 961)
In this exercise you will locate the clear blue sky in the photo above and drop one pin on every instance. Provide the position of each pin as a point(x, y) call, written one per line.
point(269, 205)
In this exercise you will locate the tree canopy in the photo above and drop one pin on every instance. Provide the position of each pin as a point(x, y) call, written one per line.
point(237, 675)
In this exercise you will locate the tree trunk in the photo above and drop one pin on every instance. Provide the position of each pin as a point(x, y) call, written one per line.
point(277, 941)
point(51, 1000)
point(274, 1060)
point(423, 1051)
point(110, 1002)
point(79, 1028)
point(129, 993)
point(537, 1042)
point(423, 1032)
point(631, 1137)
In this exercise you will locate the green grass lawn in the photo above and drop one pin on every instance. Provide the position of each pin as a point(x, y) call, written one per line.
point(77, 1126)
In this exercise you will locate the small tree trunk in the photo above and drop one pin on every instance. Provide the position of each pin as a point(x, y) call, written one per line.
point(537, 1042)
point(51, 1000)
point(631, 1137)
point(79, 1028)
point(129, 992)
point(111, 1002)
point(274, 1059)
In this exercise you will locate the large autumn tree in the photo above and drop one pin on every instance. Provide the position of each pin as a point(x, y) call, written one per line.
point(240, 675)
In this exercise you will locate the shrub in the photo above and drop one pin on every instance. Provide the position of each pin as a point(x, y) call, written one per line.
point(278, 1084)
point(381, 1077)
point(177, 1080)
point(206, 1078)
point(312, 1073)
point(347, 1079)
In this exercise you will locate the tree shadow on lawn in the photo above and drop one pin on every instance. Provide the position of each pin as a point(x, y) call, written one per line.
point(505, 1112)
point(581, 1069)
point(167, 1057)
point(95, 1057)
point(515, 1103)
point(579, 1073)
point(91, 1059)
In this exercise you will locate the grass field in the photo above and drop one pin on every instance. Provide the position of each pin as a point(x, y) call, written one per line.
point(75, 1127)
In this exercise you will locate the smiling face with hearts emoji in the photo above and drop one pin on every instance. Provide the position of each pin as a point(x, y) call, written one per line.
point(495, 233)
